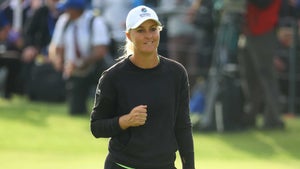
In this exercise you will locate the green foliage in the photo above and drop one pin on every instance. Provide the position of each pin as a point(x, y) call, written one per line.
point(37, 135)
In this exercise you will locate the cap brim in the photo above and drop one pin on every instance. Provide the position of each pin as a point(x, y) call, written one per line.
point(142, 21)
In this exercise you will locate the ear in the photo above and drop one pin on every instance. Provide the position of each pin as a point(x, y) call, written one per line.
point(128, 35)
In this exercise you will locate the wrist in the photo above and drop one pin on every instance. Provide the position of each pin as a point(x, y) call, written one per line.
point(123, 122)
point(79, 63)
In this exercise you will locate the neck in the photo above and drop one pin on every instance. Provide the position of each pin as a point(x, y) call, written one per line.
point(76, 15)
point(145, 62)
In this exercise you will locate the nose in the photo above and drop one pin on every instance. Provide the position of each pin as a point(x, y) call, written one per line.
point(149, 34)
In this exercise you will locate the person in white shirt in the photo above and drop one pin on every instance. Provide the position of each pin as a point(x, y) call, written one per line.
point(81, 41)
point(114, 13)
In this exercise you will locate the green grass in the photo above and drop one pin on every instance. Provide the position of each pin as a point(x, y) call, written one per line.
point(43, 135)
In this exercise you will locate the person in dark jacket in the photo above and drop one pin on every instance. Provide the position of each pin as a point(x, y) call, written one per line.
point(142, 102)
point(257, 67)
point(37, 36)
point(39, 30)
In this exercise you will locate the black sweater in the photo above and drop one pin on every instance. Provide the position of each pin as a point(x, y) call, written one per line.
point(165, 91)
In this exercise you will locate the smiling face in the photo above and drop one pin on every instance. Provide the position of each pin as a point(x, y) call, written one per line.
point(145, 38)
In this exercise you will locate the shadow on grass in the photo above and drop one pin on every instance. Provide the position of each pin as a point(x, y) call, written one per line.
point(264, 144)
point(25, 111)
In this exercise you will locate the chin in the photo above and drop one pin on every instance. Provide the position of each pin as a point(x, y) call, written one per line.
point(150, 51)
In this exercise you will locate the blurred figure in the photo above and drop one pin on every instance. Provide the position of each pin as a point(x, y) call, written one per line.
point(261, 85)
point(201, 15)
point(294, 3)
point(37, 35)
point(8, 57)
point(114, 13)
point(286, 59)
point(182, 36)
point(18, 24)
point(40, 30)
point(28, 7)
point(80, 41)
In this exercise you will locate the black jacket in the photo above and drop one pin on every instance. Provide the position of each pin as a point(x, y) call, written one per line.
point(38, 31)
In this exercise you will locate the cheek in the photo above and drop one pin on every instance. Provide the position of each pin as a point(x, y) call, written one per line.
point(156, 38)
point(156, 35)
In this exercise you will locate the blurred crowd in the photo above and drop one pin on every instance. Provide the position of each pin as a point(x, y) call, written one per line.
point(29, 25)
point(29, 43)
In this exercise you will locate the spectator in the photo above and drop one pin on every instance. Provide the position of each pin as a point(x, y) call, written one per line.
point(40, 30)
point(201, 15)
point(286, 50)
point(261, 89)
point(9, 56)
point(79, 59)
point(114, 12)
point(182, 36)
point(16, 34)
point(37, 35)
point(295, 3)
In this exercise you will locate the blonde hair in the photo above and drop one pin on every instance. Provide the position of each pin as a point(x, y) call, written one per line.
point(128, 47)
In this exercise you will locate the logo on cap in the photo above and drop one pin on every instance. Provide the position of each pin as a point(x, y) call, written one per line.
point(144, 14)
point(144, 10)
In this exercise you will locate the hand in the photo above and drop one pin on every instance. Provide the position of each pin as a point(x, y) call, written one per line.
point(57, 63)
point(68, 70)
point(136, 117)
point(29, 53)
point(280, 66)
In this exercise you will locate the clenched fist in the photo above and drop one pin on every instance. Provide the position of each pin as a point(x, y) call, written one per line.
point(136, 117)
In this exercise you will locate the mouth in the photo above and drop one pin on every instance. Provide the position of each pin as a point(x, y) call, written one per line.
point(148, 43)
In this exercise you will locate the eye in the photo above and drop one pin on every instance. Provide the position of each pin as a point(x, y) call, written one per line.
point(153, 29)
point(140, 30)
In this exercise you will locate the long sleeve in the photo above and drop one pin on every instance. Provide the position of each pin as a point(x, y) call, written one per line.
point(184, 128)
point(103, 121)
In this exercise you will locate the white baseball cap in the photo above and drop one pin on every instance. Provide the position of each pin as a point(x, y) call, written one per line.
point(138, 15)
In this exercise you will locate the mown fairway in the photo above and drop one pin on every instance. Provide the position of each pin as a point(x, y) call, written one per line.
point(44, 136)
